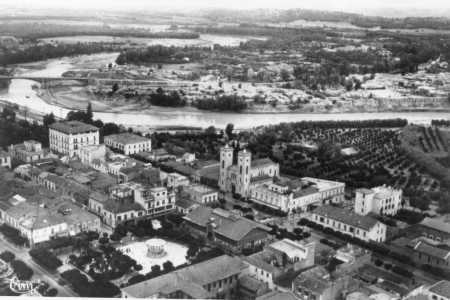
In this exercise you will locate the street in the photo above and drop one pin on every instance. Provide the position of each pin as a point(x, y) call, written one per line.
point(39, 272)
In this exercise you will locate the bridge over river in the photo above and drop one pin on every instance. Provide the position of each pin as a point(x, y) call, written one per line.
point(107, 81)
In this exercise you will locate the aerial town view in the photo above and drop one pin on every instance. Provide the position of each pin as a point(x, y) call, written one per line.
point(203, 149)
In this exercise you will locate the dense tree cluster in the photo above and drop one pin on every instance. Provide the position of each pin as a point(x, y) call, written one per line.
point(22, 270)
point(222, 103)
point(46, 258)
point(161, 54)
point(46, 51)
point(13, 235)
point(162, 98)
point(85, 288)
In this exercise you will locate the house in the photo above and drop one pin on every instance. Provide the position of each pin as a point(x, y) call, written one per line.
point(214, 278)
point(128, 143)
point(250, 288)
point(28, 152)
point(41, 222)
point(5, 159)
point(226, 229)
point(67, 137)
point(348, 222)
point(290, 195)
point(277, 295)
point(439, 291)
point(437, 229)
point(89, 153)
point(175, 180)
point(318, 283)
point(380, 200)
point(278, 258)
point(184, 204)
point(202, 194)
point(131, 201)
point(429, 254)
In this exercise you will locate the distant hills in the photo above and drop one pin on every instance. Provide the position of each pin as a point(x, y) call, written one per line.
point(291, 15)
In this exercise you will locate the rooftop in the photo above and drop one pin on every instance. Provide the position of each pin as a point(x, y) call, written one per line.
point(72, 127)
point(194, 276)
point(228, 224)
point(288, 246)
point(346, 216)
point(277, 295)
point(441, 288)
point(436, 224)
point(431, 250)
point(262, 162)
point(126, 138)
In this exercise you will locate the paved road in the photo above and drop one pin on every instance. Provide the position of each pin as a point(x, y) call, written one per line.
point(40, 272)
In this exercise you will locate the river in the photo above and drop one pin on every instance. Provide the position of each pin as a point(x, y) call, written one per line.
point(21, 92)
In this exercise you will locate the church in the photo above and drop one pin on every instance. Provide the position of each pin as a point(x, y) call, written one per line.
point(237, 178)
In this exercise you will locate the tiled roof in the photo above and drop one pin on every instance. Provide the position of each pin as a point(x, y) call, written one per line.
point(441, 288)
point(258, 163)
point(126, 138)
point(228, 224)
point(346, 216)
point(72, 127)
point(277, 295)
point(436, 224)
point(432, 250)
point(192, 277)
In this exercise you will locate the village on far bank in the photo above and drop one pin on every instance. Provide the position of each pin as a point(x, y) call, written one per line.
point(118, 214)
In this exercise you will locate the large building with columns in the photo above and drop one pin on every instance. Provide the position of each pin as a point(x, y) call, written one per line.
point(237, 178)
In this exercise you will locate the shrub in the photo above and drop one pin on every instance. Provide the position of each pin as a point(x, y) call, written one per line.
point(45, 258)
point(7, 256)
point(378, 263)
point(13, 235)
point(22, 271)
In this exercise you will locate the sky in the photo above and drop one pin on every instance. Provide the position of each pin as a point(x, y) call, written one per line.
point(359, 6)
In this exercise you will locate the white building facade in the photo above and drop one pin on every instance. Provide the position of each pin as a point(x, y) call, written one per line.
point(128, 143)
point(380, 200)
point(287, 196)
point(362, 227)
point(68, 137)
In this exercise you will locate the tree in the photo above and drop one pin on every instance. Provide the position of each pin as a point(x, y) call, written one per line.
point(22, 271)
point(49, 119)
point(168, 266)
point(229, 130)
point(89, 114)
point(284, 74)
point(7, 256)
point(211, 131)
point(114, 88)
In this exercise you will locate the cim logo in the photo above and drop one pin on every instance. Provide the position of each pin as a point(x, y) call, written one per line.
point(23, 286)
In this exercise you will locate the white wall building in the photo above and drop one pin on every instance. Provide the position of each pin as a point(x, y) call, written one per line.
point(175, 180)
point(380, 200)
point(5, 159)
point(365, 228)
point(28, 152)
point(202, 194)
point(90, 152)
point(287, 195)
point(68, 137)
point(128, 143)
